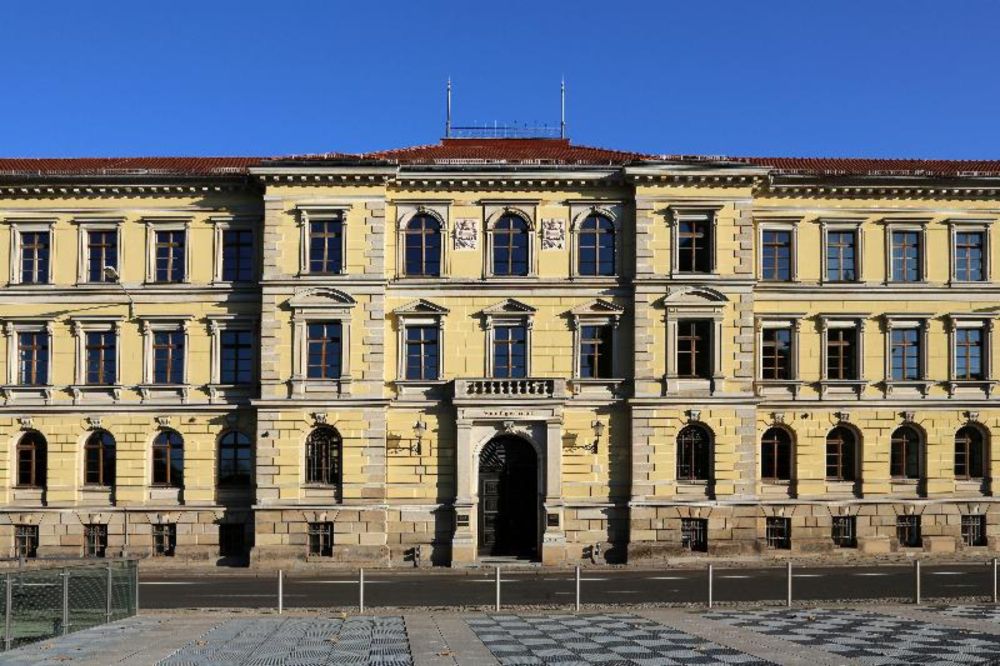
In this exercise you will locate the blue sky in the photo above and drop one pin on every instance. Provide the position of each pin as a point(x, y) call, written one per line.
point(908, 78)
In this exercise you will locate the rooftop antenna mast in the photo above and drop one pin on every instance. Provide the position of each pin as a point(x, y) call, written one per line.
point(447, 121)
point(562, 109)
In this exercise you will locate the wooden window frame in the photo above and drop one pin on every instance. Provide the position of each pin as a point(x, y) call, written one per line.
point(854, 227)
point(772, 225)
point(155, 225)
point(164, 451)
point(220, 225)
point(323, 213)
point(775, 444)
point(958, 226)
point(917, 226)
point(897, 462)
point(106, 471)
point(20, 226)
point(323, 467)
point(839, 465)
point(706, 215)
point(687, 454)
point(965, 448)
point(89, 225)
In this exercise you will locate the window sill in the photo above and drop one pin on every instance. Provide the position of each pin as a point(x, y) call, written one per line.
point(915, 388)
point(34, 394)
point(973, 388)
point(175, 392)
point(107, 393)
point(418, 389)
point(600, 388)
point(841, 387)
point(229, 392)
point(778, 387)
point(325, 388)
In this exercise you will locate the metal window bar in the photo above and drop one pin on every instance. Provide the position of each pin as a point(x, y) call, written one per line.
point(694, 534)
point(908, 531)
point(974, 529)
point(844, 531)
point(778, 533)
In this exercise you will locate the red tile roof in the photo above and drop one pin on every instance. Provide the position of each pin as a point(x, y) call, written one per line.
point(507, 151)
point(853, 166)
point(126, 166)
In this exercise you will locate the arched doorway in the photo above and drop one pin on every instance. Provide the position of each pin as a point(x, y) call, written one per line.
point(508, 498)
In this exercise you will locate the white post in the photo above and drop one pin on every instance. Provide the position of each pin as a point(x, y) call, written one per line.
point(498, 589)
point(710, 567)
point(916, 581)
point(578, 589)
point(281, 591)
point(107, 610)
point(361, 590)
point(996, 598)
point(65, 608)
point(136, 562)
point(789, 601)
point(7, 624)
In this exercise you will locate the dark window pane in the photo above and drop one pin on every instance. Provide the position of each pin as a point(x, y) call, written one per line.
point(510, 246)
point(35, 251)
point(840, 256)
point(906, 256)
point(324, 350)
point(237, 357)
point(102, 250)
point(422, 243)
point(326, 246)
point(238, 255)
point(170, 255)
point(776, 255)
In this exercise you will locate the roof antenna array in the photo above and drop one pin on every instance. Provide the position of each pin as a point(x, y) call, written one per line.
point(497, 130)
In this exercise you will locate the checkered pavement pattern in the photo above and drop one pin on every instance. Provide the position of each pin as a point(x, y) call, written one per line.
point(596, 640)
point(871, 638)
point(359, 641)
point(986, 613)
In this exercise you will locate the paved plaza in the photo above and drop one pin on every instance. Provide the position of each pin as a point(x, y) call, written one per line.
point(875, 635)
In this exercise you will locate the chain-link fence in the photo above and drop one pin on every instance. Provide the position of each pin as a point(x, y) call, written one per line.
point(41, 603)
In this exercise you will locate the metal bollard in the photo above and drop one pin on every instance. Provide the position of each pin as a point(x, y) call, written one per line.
point(578, 589)
point(789, 600)
point(281, 591)
point(916, 585)
point(996, 598)
point(65, 608)
point(710, 568)
point(498, 589)
point(136, 565)
point(107, 610)
point(8, 612)
point(361, 590)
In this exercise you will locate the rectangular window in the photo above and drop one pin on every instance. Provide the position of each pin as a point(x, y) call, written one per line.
point(101, 356)
point(906, 256)
point(694, 349)
point(841, 256)
point(845, 532)
point(236, 358)
point(170, 249)
point(596, 352)
point(232, 540)
point(510, 352)
point(102, 252)
point(238, 258)
point(905, 354)
point(776, 355)
point(694, 246)
point(95, 540)
point(969, 353)
point(974, 529)
point(326, 246)
point(35, 253)
point(25, 541)
point(168, 357)
point(841, 353)
point(908, 531)
point(694, 534)
point(324, 349)
point(969, 247)
point(164, 539)
point(33, 358)
point(321, 539)
point(422, 352)
point(776, 255)
point(778, 533)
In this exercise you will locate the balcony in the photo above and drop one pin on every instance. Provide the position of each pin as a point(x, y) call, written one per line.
point(528, 388)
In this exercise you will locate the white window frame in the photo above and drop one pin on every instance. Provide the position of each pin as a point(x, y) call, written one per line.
point(223, 223)
point(579, 212)
point(838, 387)
point(986, 385)
point(508, 313)
point(419, 313)
point(957, 226)
point(84, 227)
point(893, 225)
point(155, 224)
point(406, 212)
point(855, 226)
point(492, 214)
point(921, 322)
point(790, 225)
point(81, 326)
point(698, 213)
point(19, 226)
point(322, 213)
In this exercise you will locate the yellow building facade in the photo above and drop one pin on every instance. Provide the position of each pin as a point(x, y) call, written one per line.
point(497, 348)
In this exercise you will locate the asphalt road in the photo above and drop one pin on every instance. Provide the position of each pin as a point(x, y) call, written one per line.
point(622, 586)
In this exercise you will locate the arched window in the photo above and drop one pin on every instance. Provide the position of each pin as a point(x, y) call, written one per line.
point(168, 459)
point(99, 459)
point(841, 455)
point(510, 246)
point(32, 452)
point(776, 455)
point(422, 246)
point(694, 455)
point(323, 457)
point(970, 453)
point(235, 459)
point(596, 246)
point(904, 462)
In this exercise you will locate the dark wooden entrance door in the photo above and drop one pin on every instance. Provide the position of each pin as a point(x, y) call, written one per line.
point(508, 498)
